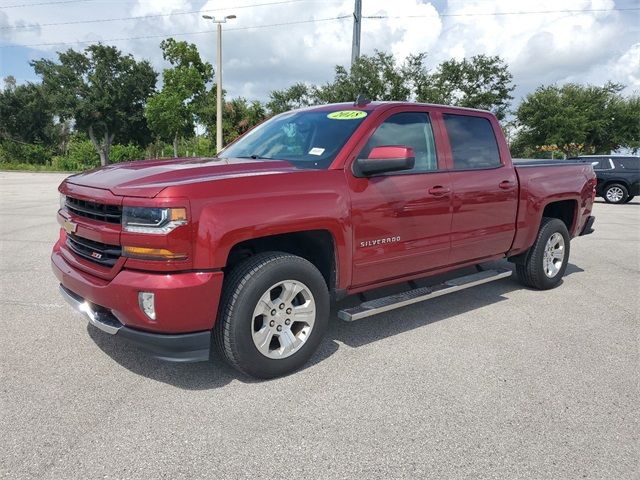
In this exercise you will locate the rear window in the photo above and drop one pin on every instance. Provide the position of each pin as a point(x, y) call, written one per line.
point(473, 142)
point(598, 163)
point(628, 163)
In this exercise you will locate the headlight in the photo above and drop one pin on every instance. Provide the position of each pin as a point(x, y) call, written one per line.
point(63, 201)
point(152, 220)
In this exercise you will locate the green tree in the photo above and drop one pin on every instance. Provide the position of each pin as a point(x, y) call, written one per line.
point(25, 114)
point(172, 112)
point(378, 77)
point(101, 90)
point(240, 116)
point(577, 119)
point(482, 82)
point(298, 95)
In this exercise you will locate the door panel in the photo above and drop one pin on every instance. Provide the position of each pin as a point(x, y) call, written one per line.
point(485, 189)
point(399, 227)
point(484, 213)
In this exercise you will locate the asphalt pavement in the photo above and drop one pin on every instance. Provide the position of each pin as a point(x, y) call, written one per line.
point(498, 381)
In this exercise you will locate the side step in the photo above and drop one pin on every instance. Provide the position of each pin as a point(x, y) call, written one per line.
point(380, 305)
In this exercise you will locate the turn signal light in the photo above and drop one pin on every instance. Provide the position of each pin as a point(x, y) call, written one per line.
point(144, 253)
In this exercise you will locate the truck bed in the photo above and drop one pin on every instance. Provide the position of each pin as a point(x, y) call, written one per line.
point(544, 162)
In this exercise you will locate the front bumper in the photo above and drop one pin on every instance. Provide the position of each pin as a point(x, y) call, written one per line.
point(186, 305)
point(188, 347)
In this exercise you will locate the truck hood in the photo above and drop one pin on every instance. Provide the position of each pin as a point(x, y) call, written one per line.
point(149, 177)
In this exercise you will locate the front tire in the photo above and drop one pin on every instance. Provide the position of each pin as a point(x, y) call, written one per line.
point(273, 314)
point(547, 259)
point(616, 193)
point(629, 198)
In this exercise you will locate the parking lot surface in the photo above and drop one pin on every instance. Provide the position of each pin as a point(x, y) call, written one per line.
point(494, 382)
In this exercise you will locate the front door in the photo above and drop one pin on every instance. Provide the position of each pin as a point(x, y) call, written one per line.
point(401, 220)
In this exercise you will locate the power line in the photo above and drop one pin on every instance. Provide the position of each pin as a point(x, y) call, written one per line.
point(496, 14)
point(141, 17)
point(307, 21)
point(44, 3)
point(166, 35)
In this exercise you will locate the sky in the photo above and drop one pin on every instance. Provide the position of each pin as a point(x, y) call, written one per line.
point(268, 47)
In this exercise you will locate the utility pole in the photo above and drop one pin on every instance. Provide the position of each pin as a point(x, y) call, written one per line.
point(357, 22)
point(219, 77)
point(219, 90)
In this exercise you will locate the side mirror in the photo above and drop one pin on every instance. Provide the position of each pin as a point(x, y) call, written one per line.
point(394, 158)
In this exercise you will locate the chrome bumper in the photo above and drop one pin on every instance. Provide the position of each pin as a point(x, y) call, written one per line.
point(184, 347)
point(101, 320)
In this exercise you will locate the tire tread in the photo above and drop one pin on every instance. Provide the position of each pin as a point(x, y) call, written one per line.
point(223, 339)
point(528, 273)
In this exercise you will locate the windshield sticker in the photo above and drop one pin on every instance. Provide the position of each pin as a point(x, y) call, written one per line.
point(347, 115)
point(316, 151)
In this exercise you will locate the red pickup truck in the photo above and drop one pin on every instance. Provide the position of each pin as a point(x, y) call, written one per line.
point(245, 251)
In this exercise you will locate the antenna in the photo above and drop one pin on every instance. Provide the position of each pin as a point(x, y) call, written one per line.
point(361, 100)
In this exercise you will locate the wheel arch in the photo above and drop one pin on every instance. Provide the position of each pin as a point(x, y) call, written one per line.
point(316, 246)
point(565, 210)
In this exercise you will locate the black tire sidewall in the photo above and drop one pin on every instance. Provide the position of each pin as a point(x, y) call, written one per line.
point(246, 354)
point(551, 227)
point(625, 193)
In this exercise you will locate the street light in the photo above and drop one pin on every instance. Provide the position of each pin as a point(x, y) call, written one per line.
point(219, 21)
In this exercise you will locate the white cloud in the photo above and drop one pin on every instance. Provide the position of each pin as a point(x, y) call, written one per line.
point(540, 48)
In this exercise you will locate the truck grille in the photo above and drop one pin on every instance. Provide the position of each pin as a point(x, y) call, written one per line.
point(96, 252)
point(95, 211)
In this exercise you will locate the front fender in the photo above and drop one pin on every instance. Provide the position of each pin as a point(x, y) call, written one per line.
point(244, 209)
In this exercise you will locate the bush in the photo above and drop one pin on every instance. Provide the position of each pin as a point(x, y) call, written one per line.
point(81, 156)
point(126, 153)
point(14, 152)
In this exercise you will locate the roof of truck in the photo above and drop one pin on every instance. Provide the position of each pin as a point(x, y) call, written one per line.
point(375, 105)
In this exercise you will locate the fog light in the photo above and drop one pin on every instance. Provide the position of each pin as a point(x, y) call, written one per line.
point(146, 300)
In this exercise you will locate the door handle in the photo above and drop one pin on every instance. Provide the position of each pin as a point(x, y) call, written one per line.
point(439, 191)
point(507, 185)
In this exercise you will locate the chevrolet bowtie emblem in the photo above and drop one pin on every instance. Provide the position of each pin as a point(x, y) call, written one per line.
point(69, 227)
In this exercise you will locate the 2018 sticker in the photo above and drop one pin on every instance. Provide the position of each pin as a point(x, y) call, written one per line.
point(347, 115)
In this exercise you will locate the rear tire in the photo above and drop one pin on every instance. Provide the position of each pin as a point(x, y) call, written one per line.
point(273, 314)
point(615, 193)
point(547, 259)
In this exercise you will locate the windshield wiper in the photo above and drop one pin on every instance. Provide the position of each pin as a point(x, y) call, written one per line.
point(256, 157)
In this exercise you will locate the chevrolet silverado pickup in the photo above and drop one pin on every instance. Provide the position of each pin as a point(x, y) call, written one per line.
point(243, 253)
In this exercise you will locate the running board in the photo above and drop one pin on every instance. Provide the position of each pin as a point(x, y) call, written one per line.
point(380, 305)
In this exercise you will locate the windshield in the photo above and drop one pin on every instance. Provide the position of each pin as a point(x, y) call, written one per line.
point(307, 139)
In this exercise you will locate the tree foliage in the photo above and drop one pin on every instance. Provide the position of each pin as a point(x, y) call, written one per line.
point(25, 114)
point(239, 116)
point(298, 95)
point(482, 82)
point(101, 90)
point(378, 77)
point(577, 119)
point(171, 113)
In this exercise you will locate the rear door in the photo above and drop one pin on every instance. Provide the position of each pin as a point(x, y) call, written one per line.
point(485, 189)
point(401, 220)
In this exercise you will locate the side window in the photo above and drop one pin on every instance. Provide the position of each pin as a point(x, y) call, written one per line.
point(628, 163)
point(473, 142)
point(410, 129)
